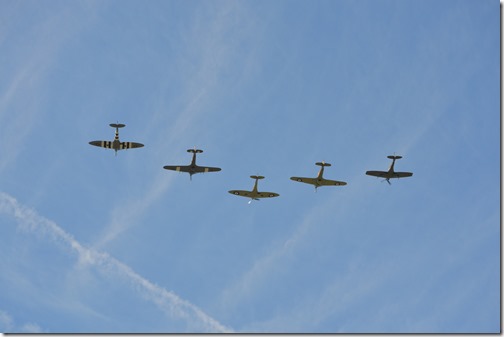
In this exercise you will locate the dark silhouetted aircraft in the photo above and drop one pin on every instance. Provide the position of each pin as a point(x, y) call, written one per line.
point(390, 173)
point(192, 168)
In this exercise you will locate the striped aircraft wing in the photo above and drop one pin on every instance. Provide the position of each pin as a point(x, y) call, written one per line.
point(177, 168)
point(102, 143)
point(205, 169)
point(129, 145)
point(197, 169)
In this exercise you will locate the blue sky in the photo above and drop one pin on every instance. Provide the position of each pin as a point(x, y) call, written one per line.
point(93, 242)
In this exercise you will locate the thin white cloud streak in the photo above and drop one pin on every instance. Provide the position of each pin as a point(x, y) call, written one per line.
point(172, 305)
point(20, 120)
point(263, 268)
point(332, 301)
point(201, 89)
point(266, 266)
point(36, 52)
point(360, 280)
point(435, 107)
point(207, 41)
point(123, 217)
point(7, 324)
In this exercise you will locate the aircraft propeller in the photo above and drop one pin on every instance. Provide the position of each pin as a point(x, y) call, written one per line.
point(387, 180)
point(250, 201)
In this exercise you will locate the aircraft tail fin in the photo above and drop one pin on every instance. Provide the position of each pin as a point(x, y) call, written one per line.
point(257, 177)
point(394, 157)
point(114, 125)
point(322, 164)
point(195, 150)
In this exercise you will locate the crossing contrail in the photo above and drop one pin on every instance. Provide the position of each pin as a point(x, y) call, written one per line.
point(167, 301)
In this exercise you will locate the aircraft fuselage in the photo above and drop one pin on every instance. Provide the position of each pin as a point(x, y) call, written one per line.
point(320, 177)
point(116, 144)
point(254, 190)
point(390, 173)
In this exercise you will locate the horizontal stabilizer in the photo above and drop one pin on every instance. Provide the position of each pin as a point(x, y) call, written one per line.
point(257, 177)
point(322, 164)
point(394, 157)
point(195, 151)
point(117, 125)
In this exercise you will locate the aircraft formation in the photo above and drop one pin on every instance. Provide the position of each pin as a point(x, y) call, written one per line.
point(254, 194)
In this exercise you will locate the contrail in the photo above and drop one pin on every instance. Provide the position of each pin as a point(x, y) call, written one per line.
point(165, 300)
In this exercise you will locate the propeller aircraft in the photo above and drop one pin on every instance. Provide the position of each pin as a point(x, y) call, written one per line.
point(390, 173)
point(192, 168)
point(254, 194)
point(116, 144)
point(319, 180)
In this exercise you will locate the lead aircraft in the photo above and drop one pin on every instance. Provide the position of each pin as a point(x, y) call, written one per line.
point(390, 173)
point(116, 144)
point(192, 168)
point(254, 194)
point(319, 180)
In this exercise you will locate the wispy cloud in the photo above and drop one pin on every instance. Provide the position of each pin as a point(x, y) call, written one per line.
point(7, 324)
point(17, 114)
point(206, 54)
point(30, 60)
point(127, 213)
point(253, 280)
point(5, 321)
point(171, 304)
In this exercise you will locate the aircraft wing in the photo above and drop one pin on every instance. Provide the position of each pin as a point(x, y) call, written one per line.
point(380, 174)
point(197, 169)
point(312, 181)
point(267, 195)
point(241, 193)
point(177, 168)
point(211, 169)
point(403, 174)
point(129, 145)
point(323, 182)
point(328, 182)
point(204, 169)
point(102, 143)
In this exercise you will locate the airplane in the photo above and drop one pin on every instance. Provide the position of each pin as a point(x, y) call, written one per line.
point(319, 180)
point(192, 168)
point(390, 173)
point(254, 194)
point(116, 144)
